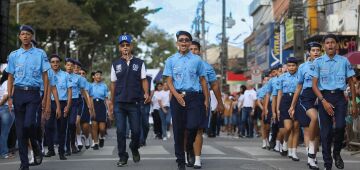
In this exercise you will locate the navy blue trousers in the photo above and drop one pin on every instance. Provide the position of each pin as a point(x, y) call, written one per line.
point(328, 131)
point(26, 104)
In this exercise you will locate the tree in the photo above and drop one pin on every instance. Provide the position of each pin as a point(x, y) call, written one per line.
point(160, 45)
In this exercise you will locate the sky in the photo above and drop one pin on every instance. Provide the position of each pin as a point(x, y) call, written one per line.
point(179, 15)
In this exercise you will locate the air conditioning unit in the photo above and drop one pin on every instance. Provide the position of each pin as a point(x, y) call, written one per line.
point(333, 22)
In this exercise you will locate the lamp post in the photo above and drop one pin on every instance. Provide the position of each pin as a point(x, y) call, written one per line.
point(244, 21)
point(17, 14)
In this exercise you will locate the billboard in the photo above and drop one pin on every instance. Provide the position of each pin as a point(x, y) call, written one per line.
point(274, 50)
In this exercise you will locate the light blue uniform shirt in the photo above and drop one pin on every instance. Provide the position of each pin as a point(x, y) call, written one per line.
point(51, 82)
point(273, 86)
point(78, 83)
point(210, 74)
point(27, 66)
point(288, 82)
point(260, 94)
point(99, 91)
point(332, 73)
point(185, 71)
point(62, 81)
point(304, 74)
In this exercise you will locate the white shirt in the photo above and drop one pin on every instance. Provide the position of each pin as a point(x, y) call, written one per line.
point(164, 96)
point(213, 101)
point(3, 91)
point(240, 101)
point(249, 98)
point(155, 100)
point(113, 77)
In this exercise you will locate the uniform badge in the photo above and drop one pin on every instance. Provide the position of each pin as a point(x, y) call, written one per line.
point(135, 67)
point(312, 67)
point(118, 68)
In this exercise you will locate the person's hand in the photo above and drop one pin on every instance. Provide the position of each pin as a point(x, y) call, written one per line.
point(273, 117)
point(111, 116)
point(147, 98)
point(328, 107)
point(265, 112)
point(66, 111)
point(206, 103)
point(180, 99)
point(354, 110)
point(92, 112)
point(220, 107)
point(252, 112)
point(164, 110)
point(291, 111)
point(78, 118)
point(10, 104)
point(58, 113)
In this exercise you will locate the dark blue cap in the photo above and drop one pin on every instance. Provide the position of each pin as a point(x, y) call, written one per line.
point(183, 33)
point(275, 67)
point(55, 56)
point(27, 28)
point(313, 44)
point(70, 60)
point(333, 36)
point(77, 62)
point(292, 60)
point(125, 37)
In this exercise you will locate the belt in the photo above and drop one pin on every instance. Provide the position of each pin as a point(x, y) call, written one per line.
point(184, 92)
point(289, 94)
point(332, 91)
point(27, 88)
point(98, 100)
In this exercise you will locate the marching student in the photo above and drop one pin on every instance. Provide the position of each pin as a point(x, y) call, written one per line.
point(304, 104)
point(286, 89)
point(330, 75)
point(99, 93)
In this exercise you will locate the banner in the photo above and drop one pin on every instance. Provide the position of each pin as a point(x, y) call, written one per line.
point(289, 29)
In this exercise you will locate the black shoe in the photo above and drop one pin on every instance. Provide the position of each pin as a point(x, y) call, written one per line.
point(96, 147)
point(191, 158)
point(122, 162)
point(67, 153)
point(313, 167)
point(181, 166)
point(272, 144)
point(339, 163)
point(312, 156)
point(101, 143)
point(87, 147)
point(136, 155)
point(75, 150)
point(50, 154)
point(23, 167)
point(295, 159)
point(62, 157)
point(38, 156)
point(80, 147)
point(197, 166)
point(283, 153)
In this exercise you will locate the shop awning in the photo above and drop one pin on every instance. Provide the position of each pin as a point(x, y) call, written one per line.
point(353, 57)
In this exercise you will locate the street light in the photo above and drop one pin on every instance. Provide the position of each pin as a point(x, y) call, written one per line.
point(17, 14)
point(244, 21)
point(18, 9)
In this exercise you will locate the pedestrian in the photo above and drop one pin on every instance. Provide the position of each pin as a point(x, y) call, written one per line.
point(7, 118)
point(228, 111)
point(165, 113)
point(129, 87)
point(303, 106)
point(330, 74)
point(99, 93)
point(265, 127)
point(213, 84)
point(79, 86)
point(156, 111)
point(26, 67)
point(86, 114)
point(248, 108)
point(239, 105)
point(58, 117)
point(286, 89)
point(184, 73)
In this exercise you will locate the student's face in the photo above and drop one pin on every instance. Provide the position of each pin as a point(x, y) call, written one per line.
point(183, 43)
point(76, 69)
point(55, 63)
point(292, 67)
point(194, 49)
point(330, 46)
point(69, 67)
point(165, 86)
point(98, 77)
point(125, 48)
point(82, 73)
point(159, 87)
point(25, 37)
point(315, 52)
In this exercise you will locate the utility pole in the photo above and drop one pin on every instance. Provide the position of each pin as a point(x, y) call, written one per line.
point(203, 30)
point(358, 29)
point(297, 13)
point(4, 29)
point(224, 50)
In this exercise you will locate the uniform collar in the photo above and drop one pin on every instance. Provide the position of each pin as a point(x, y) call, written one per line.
point(335, 58)
point(22, 50)
point(185, 55)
